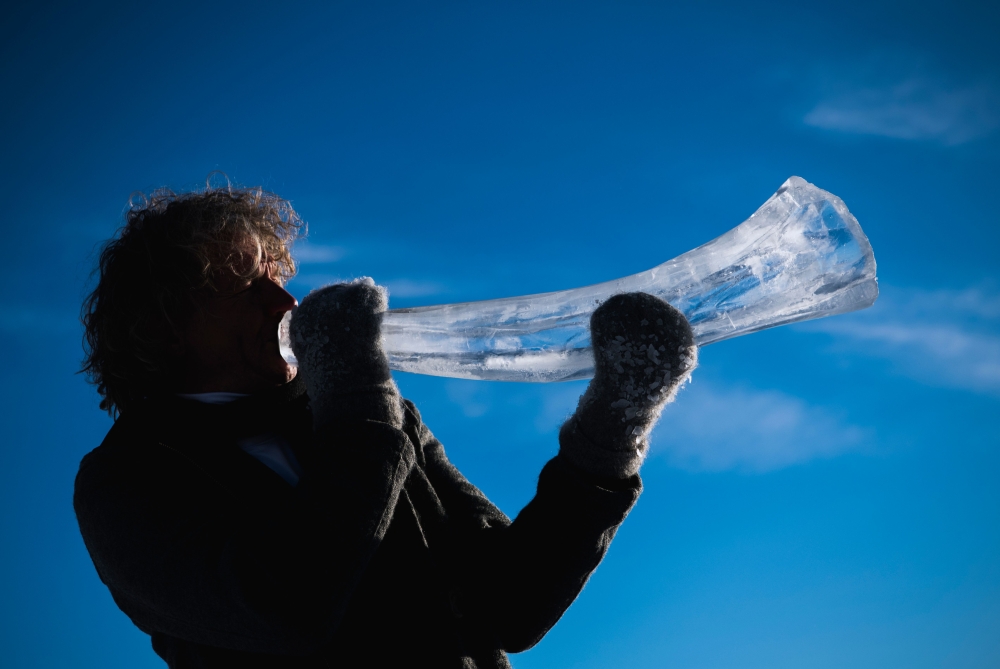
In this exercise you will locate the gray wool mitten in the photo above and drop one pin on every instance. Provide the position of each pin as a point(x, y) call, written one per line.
point(643, 351)
point(336, 336)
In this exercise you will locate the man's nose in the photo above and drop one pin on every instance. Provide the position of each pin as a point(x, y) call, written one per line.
point(277, 300)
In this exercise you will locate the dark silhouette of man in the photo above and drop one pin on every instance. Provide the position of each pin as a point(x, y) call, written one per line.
point(245, 515)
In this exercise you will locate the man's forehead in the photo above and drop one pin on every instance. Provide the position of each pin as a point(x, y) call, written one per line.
point(232, 262)
point(242, 254)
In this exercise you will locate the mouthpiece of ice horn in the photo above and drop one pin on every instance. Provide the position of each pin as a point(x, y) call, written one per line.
point(802, 255)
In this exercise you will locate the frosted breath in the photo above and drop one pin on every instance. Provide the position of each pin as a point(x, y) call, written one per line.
point(801, 255)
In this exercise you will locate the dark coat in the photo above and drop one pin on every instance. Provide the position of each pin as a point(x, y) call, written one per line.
point(382, 555)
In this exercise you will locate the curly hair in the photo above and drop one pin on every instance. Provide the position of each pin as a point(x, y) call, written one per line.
point(172, 248)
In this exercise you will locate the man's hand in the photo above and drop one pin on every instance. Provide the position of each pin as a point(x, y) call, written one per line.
point(643, 351)
point(336, 337)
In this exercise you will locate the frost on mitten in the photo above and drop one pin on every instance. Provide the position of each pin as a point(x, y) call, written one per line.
point(336, 337)
point(643, 351)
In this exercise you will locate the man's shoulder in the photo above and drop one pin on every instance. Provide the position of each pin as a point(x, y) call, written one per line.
point(126, 442)
point(124, 469)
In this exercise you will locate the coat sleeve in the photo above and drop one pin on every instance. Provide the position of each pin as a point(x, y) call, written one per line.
point(186, 557)
point(515, 579)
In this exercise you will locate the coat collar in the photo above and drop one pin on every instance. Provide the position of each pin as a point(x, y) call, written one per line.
point(276, 410)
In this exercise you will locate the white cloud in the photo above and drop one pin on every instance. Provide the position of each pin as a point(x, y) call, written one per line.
point(711, 428)
point(397, 287)
point(943, 338)
point(316, 254)
point(411, 288)
point(916, 109)
point(544, 406)
point(311, 281)
point(472, 397)
point(708, 428)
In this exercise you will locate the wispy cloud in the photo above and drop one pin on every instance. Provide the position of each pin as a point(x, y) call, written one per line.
point(714, 428)
point(545, 407)
point(304, 282)
point(472, 397)
point(948, 338)
point(411, 288)
point(398, 288)
point(917, 108)
point(317, 254)
point(709, 427)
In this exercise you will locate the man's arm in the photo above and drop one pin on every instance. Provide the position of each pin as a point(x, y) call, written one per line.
point(518, 578)
point(514, 580)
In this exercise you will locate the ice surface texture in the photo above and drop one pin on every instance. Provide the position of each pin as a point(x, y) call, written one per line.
point(802, 255)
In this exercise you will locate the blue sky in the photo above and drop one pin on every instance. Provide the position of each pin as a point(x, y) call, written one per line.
point(822, 495)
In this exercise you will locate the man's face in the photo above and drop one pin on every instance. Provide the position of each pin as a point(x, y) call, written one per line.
point(231, 342)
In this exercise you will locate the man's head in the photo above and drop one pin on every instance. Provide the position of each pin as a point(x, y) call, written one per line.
point(189, 296)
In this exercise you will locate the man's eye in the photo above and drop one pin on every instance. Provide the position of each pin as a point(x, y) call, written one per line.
point(243, 289)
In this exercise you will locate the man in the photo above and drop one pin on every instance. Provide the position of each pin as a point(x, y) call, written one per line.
point(245, 515)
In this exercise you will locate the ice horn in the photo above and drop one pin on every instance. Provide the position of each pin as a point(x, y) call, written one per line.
point(802, 255)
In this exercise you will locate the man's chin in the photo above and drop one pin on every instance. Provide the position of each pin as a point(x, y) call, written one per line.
point(281, 372)
point(273, 371)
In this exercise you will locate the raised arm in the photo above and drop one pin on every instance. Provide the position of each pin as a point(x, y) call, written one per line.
point(515, 579)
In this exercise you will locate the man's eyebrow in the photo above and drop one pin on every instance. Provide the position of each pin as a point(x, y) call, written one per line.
point(249, 286)
point(264, 270)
